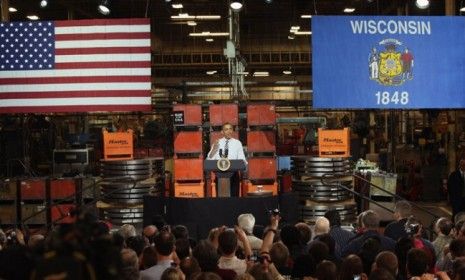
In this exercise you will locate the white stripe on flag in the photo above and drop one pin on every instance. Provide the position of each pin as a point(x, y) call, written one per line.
point(31, 102)
point(71, 44)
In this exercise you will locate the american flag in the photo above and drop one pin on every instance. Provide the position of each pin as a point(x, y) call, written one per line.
point(75, 66)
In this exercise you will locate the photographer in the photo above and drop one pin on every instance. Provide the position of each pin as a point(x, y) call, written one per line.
point(228, 244)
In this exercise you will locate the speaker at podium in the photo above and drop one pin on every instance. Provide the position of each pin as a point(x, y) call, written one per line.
point(227, 174)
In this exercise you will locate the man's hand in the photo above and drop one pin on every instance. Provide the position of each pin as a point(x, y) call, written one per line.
point(214, 148)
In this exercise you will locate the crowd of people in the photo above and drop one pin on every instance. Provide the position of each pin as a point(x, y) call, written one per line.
point(91, 249)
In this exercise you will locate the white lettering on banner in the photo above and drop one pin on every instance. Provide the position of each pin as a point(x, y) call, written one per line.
point(391, 27)
point(388, 98)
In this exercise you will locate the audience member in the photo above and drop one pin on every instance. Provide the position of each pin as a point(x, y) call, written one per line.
point(443, 228)
point(395, 230)
point(164, 246)
point(340, 235)
point(247, 222)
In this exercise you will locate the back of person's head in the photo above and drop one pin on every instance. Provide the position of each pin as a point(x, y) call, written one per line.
point(444, 226)
point(460, 216)
point(321, 226)
point(260, 272)
point(189, 266)
point(279, 254)
point(290, 236)
point(458, 227)
point(458, 269)
point(351, 267)
point(304, 266)
point(227, 242)
point(319, 251)
point(417, 262)
point(328, 240)
point(164, 243)
point(381, 274)
point(370, 249)
point(305, 232)
point(333, 217)
point(172, 273)
point(136, 243)
point(149, 257)
point(246, 222)
point(326, 270)
point(206, 276)
point(403, 245)
point(388, 261)
point(127, 231)
point(206, 254)
point(129, 258)
point(183, 248)
point(457, 248)
point(403, 208)
point(370, 219)
point(180, 231)
point(35, 241)
point(245, 276)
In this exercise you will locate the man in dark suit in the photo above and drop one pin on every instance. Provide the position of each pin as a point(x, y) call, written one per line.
point(456, 188)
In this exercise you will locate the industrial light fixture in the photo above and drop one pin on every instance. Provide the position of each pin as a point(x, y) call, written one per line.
point(212, 72)
point(287, 72)
point(208, 34)
point(349, 10)
point(236, 5)
point(422, 4)
point(184, 16)
point(167, 1)
point(291, 37)
point(32, 17)
point(209, 40)
point(268, 1)
point(177, 6)
point(306, 16)
point(261, 74)
point(103, 8)
point(43, 3)
point(12, 10)
point(191, 23)
point(461, 9)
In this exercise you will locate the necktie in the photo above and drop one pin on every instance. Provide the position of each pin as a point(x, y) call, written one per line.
point(226, 145)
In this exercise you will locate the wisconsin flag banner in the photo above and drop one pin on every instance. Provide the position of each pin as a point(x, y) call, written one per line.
point(75, 66)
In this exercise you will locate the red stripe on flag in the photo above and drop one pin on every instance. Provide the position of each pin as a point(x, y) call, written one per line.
point(102, 36)
point(110, 64)
point(92, 22)
point(70, 94)
point(75, 80)
point(111, 50)
point(71, 109)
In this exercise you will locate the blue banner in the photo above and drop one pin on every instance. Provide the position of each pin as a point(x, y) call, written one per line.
point(388, 62)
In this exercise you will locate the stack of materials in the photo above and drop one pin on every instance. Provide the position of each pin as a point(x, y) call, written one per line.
point(125, 184)
point(318, 182)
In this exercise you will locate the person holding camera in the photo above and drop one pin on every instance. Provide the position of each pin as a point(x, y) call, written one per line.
point(228, 244)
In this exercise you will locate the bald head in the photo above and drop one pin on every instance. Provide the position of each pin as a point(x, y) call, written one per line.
point(321, 226)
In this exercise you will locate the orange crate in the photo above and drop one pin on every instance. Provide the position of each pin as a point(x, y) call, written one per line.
point(8, 190)
point(222, 113)
point(334, 143)
point(189, 190)
point(62, 188)
point(118, 145)
point(8, 214)
point(261, 115)
point(33, 189)
point(62, 210)
point(261, 141)
point(215, 135)
point(192, 113)
point(188, 142)
point(262, 168)
point(188, 169)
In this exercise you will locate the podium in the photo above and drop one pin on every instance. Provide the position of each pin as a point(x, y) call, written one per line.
point(224, 177)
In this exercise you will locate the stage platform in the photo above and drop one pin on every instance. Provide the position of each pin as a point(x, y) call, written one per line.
point(202, 214)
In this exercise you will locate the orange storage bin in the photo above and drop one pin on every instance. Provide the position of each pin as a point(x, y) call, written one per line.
point(33, 189)
point(223, 113)
point(189, 190)
point(188, 142)
point(261, 115)
point(118, 145)
point(261, 141)
point(192, 114)
point(186, 169)
point(62, 212)
point(62, 188)
point(262, 168)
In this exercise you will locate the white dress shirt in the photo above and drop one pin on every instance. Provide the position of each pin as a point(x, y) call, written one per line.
point(235, 150)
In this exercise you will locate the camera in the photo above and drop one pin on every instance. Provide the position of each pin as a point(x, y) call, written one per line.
point(274, 212)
